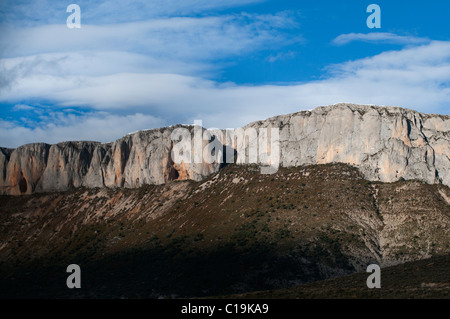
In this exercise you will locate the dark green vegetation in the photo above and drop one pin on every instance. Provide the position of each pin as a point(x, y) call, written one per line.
point(428, 278)
point(237, 231)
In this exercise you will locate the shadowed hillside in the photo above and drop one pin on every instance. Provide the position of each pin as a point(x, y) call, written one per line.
point(427, 278)
point(236, 231)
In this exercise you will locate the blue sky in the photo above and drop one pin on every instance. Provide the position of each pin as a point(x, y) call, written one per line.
point(142, 64)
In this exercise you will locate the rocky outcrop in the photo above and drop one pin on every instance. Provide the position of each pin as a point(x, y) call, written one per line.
point(385, 143)
point(132, 161)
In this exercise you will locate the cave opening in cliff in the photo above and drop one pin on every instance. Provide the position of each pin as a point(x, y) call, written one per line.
point(172, 172)
point(23, 185)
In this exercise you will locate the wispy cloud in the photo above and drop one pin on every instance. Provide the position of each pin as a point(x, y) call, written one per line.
point(176, 38)
point(99, 126)
point(378, 37)
point(151, 64)
point(23, 107)
point(416, 77)
point(43, 12)
point(183, 46)
point(280, 56)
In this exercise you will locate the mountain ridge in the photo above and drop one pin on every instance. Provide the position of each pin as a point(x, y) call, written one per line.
point(385, 143)
point(236, 231)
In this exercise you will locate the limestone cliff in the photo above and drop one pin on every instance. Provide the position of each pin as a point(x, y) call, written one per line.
point(385, 143)
point(132, 161)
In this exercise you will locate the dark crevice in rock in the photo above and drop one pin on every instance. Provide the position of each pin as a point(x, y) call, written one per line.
point(23, 185)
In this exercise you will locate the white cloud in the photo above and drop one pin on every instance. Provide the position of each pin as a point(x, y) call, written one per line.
point(22, 107)
point(413, 77)
point(383, 37)
point(95, 63)
point(180, 38)
point(102, 127)
point(133, 75)
point(38, 12)
point(280, 56)
point(416, 78)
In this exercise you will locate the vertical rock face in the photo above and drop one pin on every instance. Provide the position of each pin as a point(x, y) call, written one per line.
point(23, 168)
point(132, 161)
point(386, 144)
